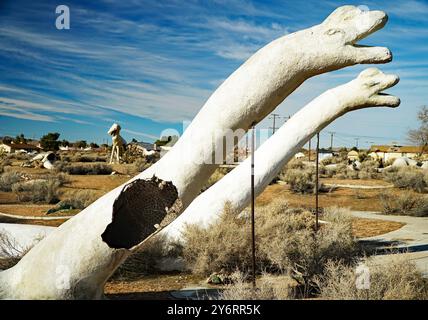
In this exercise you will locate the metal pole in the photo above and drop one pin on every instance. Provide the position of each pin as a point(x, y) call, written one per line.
point(309, 154)
point(246, 145)
point(317, 182)
point(253, 234)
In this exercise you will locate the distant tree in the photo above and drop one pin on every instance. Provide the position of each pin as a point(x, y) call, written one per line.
point(162, 141)
point(419, 136)
point(165, 140)
point(7, 139)
point(65, 143)
point(49, 142)
point(134, 140)
point(104, 145)
point(20, 139)
point(93, 145)
point(80, 144)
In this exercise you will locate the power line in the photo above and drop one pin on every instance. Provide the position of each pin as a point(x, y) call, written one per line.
point(275, 116)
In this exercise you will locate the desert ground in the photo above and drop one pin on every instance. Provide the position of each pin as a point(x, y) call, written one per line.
point(18, 205)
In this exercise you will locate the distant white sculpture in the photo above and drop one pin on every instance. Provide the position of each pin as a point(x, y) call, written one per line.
point(47, 159)
point(404, 162)
point(299, 155)
point(271, 156)
point(91, 245)
point(355, 165)
point(118, 145)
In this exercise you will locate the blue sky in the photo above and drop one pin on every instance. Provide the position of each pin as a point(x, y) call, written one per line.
point(150, 65)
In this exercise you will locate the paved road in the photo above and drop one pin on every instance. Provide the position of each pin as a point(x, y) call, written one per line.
point(411, 239)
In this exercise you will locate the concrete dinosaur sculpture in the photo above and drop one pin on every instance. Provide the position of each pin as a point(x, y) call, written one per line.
point(85, 251)
point(271, 156)
point(118, 143)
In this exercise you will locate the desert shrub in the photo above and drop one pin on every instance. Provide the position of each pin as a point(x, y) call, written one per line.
point(286, 242)
point(351, 174)
point(406, 178)
point(38, 190)
point(87, 158)
point(303, 181)
point(269, 287)
point(79, 199)
point(65, 158)
point(145, 261)
point(10, 251)
point(225, 245)
point(4, 162)
point(369, 170)
point(216, 176)
point(404, 203)
point(61, 177)
point(141, 164)
point(300, 180)
point(8, 179)
point(86, 169)
point(295, 164)
point(18, 156)
point(396, 279)
point(337, 171)
point(297, 249)
point(337, 159)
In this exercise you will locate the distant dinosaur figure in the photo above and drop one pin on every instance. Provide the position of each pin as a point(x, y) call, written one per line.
point(118, 143)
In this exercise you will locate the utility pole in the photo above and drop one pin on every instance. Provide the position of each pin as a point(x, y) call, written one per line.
point(357, 139)
point(331, 139)
point(309, 153)
point(274, 116)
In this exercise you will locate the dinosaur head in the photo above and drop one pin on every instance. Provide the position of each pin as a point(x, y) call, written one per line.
point(367, 91)
point(344, 27)
point(352, 24)
point(114, 129)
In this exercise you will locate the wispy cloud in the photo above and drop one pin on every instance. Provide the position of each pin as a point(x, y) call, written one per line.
point(150, 59)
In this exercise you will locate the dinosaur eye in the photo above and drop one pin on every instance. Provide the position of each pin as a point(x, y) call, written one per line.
point(331, 32)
